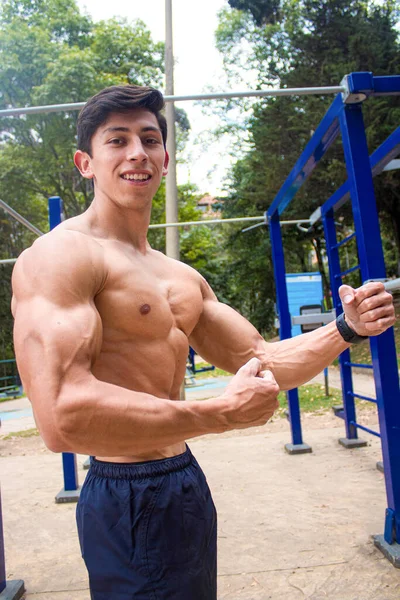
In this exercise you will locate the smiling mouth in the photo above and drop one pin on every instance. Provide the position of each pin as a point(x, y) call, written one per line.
point(136, 177)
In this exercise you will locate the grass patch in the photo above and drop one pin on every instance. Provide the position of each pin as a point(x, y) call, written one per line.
point(21, 434)
point(16, 397)
point(312, 398)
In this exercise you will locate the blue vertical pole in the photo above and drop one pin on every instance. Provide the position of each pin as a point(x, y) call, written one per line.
point(285, 331)
point(2, 555)
point(383, 348)
point(70, 470)
point(332, 252)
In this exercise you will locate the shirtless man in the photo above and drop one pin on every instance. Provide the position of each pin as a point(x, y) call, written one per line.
point(102, 329)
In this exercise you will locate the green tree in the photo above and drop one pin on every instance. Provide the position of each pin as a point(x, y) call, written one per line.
point(51, 53)
point(298, 43)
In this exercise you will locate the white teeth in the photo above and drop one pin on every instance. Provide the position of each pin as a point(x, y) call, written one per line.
point(136, 177)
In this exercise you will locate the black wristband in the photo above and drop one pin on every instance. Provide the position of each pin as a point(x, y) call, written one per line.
point(347, 333)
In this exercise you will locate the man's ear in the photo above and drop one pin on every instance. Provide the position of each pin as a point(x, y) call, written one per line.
point(165, 166)
point(83, 164)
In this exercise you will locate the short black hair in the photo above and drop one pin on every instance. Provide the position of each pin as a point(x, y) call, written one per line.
point(118, 99)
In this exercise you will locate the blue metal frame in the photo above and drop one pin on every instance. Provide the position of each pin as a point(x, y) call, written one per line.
point(2, 556)
point(383, 349)
point(70, 470)
point(332, 251)
point(285, 323)
point(345, 114)
point(322, 139)
point(378, 161)
point(192, 361)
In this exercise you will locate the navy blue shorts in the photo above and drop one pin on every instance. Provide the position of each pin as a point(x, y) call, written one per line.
point(148, 530)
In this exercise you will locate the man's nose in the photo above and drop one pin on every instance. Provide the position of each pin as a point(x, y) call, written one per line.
point(136, 151)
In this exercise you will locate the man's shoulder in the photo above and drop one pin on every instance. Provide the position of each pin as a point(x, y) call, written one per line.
point(64, 256)
point(63, 244)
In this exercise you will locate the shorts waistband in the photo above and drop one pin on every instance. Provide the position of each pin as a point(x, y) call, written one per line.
point(140, 470)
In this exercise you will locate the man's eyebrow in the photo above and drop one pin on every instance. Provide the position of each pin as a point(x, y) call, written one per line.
point(127, 130)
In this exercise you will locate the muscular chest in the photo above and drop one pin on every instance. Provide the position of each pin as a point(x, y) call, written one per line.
point(147, 299)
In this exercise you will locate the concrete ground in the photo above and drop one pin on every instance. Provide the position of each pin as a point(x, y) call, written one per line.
point(290, 527)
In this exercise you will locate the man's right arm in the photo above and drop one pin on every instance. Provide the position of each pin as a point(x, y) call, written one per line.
point(58, 337)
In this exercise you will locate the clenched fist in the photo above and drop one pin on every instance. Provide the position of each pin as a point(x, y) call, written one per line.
point(368, 309)
point(251, 397)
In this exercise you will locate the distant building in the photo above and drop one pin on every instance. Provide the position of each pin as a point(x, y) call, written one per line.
point(210, 206)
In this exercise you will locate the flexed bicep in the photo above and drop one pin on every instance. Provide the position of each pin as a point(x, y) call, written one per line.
point(57, 330)
point(224, 337)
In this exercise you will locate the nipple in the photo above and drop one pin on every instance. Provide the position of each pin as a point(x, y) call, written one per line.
point(145, 309)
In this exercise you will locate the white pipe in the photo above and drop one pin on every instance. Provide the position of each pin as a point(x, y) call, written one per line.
point(228, 220)
point(205, 222)
point(20, 218)
point(392, 284)
point(307, 91)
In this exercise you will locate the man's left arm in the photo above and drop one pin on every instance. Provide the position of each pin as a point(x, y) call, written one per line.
point(226, 339)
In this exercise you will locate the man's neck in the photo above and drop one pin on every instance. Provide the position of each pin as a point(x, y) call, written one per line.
point(111, 221)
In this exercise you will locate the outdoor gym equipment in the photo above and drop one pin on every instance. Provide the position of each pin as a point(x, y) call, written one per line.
point(345, 116)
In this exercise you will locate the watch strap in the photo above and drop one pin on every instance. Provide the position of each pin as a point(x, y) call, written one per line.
point(347, 333)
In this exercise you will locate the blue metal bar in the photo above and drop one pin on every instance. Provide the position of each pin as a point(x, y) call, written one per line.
point(285, 323)
point(70, 470)
point(360, 365)
point(344, 273)
point(347, 239)
point(388, 85)
point(372, 264)
point(349, 410)
point(382, 156)
point(2, 556)
point(363, 397)
point(366, 429)
point(364, 83)
point(323, 137)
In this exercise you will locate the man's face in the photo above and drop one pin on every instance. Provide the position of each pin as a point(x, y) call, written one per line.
point(128, 158)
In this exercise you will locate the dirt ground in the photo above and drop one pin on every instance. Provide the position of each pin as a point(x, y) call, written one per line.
point(290, 527)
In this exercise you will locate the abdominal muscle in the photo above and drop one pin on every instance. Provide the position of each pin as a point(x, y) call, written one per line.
point(153, 368)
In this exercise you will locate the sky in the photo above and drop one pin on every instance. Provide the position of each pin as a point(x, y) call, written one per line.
point(198, 64)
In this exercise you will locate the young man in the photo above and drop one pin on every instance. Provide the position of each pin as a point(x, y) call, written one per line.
point(102, 329)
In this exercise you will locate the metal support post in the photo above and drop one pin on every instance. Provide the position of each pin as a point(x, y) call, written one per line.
point(349, 411)
point(285, 330)
point(9, 590)
point(70, 491)
point(383, 348)
point(171, 206)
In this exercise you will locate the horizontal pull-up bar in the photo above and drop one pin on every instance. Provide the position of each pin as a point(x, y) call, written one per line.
point(228, 220)
point(307, 91)
point(20, 218)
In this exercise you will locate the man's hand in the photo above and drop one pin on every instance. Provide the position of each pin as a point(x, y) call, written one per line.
point(251, 396)
point(368, 309)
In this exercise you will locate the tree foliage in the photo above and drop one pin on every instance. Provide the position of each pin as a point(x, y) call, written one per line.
point(51, 53)
point(302, 43)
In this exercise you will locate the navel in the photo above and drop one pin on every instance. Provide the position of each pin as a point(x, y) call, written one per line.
point(145, 309)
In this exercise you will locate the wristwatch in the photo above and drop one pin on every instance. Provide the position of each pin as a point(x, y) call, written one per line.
point(347, 333)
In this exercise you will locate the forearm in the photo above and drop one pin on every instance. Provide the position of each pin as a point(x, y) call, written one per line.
point(297, 360)
point(106, 420)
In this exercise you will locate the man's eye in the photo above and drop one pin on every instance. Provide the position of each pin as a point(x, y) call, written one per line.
point(116, 141)
point(152, 141)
